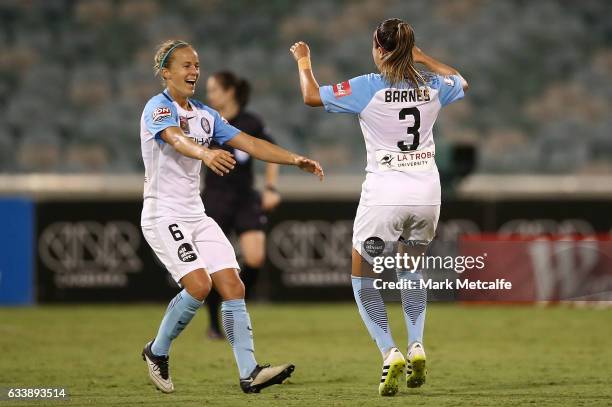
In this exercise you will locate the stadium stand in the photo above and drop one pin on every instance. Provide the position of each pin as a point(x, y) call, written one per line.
point(74, 76)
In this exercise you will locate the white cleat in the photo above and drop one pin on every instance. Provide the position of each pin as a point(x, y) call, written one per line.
point(393, 368)
point(265, 376)
point(416, 371)
point(158, 369)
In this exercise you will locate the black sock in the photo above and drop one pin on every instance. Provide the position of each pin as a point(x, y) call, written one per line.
point(213, 303)
point(249, 278)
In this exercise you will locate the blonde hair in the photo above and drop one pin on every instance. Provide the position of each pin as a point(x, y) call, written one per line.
point(396, 38)
point(163, 55)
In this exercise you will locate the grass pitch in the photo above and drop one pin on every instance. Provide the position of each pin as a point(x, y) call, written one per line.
point(477, 356)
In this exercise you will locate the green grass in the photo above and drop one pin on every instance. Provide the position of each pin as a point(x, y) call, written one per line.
point(476, 356)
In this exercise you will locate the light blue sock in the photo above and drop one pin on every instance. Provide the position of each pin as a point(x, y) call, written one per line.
point(178, 314)
point(373, 312)
point(414, 304)
point(239, 333)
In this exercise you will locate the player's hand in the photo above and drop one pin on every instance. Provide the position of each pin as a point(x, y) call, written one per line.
point(311, 166)
point(219, 161)
point(270, 200)
point(300, 49)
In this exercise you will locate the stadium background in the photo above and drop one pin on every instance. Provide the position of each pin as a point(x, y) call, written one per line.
point(527, 153)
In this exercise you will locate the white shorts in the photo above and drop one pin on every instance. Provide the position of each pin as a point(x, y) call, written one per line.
point(187, 245)
point(386, 223)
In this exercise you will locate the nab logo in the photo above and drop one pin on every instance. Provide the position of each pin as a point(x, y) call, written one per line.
point(186, 253)
point(342, 89)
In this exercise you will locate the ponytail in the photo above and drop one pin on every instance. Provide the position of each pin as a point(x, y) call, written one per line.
point(396, 38)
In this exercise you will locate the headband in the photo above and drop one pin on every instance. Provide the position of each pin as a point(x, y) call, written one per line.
point(167, 54)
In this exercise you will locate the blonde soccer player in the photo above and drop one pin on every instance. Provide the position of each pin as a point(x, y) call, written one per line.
point(400, 198)
point(176, 131)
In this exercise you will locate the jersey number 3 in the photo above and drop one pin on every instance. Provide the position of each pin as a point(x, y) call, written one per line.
point(412, 130)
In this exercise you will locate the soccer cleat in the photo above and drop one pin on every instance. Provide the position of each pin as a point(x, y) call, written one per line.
point(393, 368)
point(416, 371)
point(264, 376)
point(158, 369)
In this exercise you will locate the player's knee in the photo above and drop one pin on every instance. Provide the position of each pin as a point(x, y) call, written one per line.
point(234, 290)
point(199, 288)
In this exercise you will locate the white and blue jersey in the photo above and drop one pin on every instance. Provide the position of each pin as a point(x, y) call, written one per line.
point(397, 124)
point(172, 181)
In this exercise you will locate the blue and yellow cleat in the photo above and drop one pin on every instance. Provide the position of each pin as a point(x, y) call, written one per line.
point(416, 371)
point(393, 368)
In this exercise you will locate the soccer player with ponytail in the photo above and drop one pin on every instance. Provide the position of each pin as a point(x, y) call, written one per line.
point(400, 199)
point(176, 131)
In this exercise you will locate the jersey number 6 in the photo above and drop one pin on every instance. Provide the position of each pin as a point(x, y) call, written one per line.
point(176, 232)
point(413, 130)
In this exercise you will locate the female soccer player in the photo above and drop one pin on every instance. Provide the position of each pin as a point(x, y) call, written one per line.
point(232, 201)
point(175, 134)
point(400, 199)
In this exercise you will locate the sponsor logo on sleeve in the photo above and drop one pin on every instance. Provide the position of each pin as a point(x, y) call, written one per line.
point(342, 89)
point(160, 113)
point(449, 81)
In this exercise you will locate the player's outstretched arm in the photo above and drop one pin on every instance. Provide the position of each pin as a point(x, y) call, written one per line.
point(265, 151)
point(436, 66)
point(308, 83)
point(219, 161)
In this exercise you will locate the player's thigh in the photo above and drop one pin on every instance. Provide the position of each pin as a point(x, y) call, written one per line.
point(172, 243)
point(376, 231)
point(252, 247)
point(250, 223)
point(420, 225)
point(419, 229)
point(213, 246)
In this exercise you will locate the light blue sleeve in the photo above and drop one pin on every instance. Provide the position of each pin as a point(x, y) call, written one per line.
point(450, 89)
point(159, 114)
point(350, 96)
point(224, 131)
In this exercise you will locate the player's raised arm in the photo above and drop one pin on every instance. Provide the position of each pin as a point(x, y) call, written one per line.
point(436, 66)
point(266, 151)
point(219, 161)
point(308, 83)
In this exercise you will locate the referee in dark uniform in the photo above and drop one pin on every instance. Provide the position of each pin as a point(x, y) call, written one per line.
point(232, 200)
